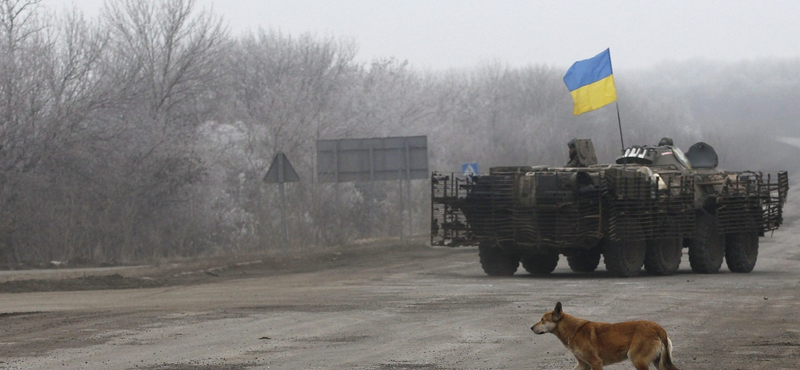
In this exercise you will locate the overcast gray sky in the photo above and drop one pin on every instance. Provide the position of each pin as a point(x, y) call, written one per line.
point(438, 34)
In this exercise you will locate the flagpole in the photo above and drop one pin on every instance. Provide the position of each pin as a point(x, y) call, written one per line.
point(619, 121)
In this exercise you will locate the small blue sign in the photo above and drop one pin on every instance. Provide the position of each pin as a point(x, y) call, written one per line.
point(469, 169)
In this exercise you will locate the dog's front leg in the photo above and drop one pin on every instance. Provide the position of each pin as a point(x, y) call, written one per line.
point(595, 364)
point(581, 365)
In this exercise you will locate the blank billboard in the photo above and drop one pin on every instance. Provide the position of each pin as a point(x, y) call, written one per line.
point(388, 158)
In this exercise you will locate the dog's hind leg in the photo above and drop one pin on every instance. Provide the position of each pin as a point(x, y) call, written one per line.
point(643, 352)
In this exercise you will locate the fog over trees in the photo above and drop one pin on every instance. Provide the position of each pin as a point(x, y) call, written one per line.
point(145, 133)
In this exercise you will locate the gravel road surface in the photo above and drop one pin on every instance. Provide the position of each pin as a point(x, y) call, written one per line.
point(387, 305)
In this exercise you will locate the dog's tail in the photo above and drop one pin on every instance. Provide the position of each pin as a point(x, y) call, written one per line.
point(665, 362)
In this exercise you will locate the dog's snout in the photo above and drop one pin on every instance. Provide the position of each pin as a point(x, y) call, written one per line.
point(539, 328)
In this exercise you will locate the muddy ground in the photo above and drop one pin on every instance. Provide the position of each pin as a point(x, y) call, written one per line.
point(384, 305)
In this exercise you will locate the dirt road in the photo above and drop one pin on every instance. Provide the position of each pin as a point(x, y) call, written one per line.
point(394, 306)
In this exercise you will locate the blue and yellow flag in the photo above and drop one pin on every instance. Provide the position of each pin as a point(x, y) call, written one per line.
point(591, 83)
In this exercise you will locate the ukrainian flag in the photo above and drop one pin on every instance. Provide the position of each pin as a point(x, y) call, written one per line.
point(591, 83)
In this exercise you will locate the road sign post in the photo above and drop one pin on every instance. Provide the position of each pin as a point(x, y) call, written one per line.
point(281, 171)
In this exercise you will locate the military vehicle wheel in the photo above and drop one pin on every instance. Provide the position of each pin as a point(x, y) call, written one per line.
point(663, 255)
point(741, 251)
point(496, 261)
point(538, 264)
point(625, 257)
point(584, 261)
point(707, 249)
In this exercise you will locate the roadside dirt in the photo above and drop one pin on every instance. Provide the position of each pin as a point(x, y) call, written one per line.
point(199, 270)
point(385, 306)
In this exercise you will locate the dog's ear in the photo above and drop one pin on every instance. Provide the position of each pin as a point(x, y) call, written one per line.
point(557, 312)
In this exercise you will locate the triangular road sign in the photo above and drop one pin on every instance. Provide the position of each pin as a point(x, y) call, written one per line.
point(281, 170)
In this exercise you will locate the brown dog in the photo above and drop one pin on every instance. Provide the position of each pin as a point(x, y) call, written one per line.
point(595, 344)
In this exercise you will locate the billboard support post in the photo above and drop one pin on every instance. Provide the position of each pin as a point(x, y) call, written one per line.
point(408, 191)
point(371, 190)
point(376, 159)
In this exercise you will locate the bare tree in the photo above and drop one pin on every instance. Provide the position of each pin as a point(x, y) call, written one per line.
point(20, 34)
point(166, 52)
point(25, 134)
point(285, 91)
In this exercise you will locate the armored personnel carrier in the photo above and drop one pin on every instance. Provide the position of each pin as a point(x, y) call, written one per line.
point(641, 211)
